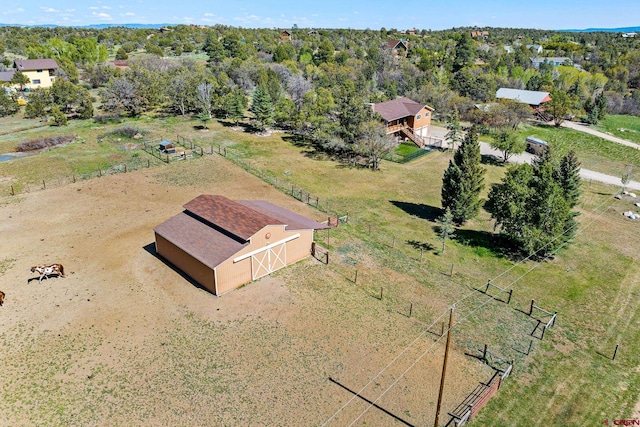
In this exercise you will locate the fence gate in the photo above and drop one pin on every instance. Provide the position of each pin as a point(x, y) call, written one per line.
point(268, 261)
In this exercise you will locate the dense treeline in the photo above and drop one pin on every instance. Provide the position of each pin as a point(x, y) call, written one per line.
point(318, 82)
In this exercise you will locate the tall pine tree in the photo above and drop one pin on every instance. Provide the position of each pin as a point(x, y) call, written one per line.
point(568, 176)
point(262, 107)
point(464, 180)
point(532, 205)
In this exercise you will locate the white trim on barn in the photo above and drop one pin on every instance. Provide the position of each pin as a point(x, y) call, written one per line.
point(269, 246)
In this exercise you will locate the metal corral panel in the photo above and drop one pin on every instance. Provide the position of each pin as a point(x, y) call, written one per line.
point(186, 263)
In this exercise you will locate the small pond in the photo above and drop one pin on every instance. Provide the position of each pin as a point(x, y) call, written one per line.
point(12, 156)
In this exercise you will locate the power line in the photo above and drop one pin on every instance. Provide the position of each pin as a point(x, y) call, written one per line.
point(538, 263)
point(464, 318)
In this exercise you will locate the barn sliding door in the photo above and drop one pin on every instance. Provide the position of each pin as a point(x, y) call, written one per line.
point(268, 261)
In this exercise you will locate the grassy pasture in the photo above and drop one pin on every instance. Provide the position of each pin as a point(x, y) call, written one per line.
point(625, 127)
point(593, 283)
point(594, 153)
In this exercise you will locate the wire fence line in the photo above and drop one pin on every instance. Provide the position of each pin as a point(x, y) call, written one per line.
point(370, 230)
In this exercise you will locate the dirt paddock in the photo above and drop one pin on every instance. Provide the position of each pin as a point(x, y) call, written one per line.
point(124, 339)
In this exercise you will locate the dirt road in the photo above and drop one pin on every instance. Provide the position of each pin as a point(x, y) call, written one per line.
point(586, 129)
point(585, 174)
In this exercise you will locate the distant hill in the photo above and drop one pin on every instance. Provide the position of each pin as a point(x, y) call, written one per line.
point(93, 26)
point(606, 30)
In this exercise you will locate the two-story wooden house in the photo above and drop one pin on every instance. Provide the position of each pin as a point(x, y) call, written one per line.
point(406, 119)
point(41, 72)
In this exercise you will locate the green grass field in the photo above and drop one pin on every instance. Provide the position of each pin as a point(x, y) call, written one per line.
point(593, 283)
point(625, 127)
point(594, 153)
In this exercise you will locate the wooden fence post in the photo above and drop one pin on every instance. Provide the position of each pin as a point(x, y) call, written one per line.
point(531, 308)
point(74, 178)
point(44, 185)
point(148, 163)
point(125, 168)
point(615, 352)
point(410, 309)
point(381, 291)
point(13, 194)
point(451, 274)
point(327, 257)
point(354, 280)
point(530, 345)
point(510, 294)
point(313, 248)
point(100, 172)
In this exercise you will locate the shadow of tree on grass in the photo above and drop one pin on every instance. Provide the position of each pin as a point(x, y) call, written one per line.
point(430, 213)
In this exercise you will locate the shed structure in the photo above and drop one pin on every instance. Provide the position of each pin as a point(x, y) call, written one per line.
point(223, 244)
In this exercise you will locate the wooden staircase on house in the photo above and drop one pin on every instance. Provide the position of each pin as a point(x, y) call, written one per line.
point(409, 133)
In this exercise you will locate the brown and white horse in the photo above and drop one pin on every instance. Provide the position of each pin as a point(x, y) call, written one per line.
point(1, 298)
point(47, 270)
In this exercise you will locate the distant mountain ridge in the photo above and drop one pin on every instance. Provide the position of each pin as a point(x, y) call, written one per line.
point(93, 26)
point(152, 26)
point(606, 30)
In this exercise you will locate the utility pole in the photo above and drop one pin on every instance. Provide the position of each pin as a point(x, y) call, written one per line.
point(444, 366)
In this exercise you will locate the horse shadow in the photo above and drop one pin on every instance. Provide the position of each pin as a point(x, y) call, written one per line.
point(37, 278)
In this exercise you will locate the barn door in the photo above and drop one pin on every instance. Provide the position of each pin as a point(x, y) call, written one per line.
point(268, 261)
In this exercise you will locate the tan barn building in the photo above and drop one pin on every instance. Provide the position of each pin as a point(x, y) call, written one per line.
point(223, 244)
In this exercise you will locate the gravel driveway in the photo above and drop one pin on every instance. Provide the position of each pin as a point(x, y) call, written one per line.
point(585, 174)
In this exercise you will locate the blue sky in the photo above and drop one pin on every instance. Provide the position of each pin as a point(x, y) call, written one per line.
point(374, 14)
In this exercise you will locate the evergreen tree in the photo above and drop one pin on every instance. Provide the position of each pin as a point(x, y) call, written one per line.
point(465, 52)
point(549, 214)
point(454, 136)
point(262, 107)
point(507, 201)
point(121, 54)
point(19, 78)
point(445, 227)
point(601, 104)
point(235, 104)
point(59, 118)
point(8, 104)
point(568, 176)
point(464, 180)
point(532, 205)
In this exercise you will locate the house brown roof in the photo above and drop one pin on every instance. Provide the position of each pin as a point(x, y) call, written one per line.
point(230, 216)
point(35, 64)
point(392, 44)
point(292, 220)
point(399, 108)
point(203, 242)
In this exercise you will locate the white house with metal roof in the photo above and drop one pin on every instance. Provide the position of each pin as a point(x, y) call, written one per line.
point(532, 97)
